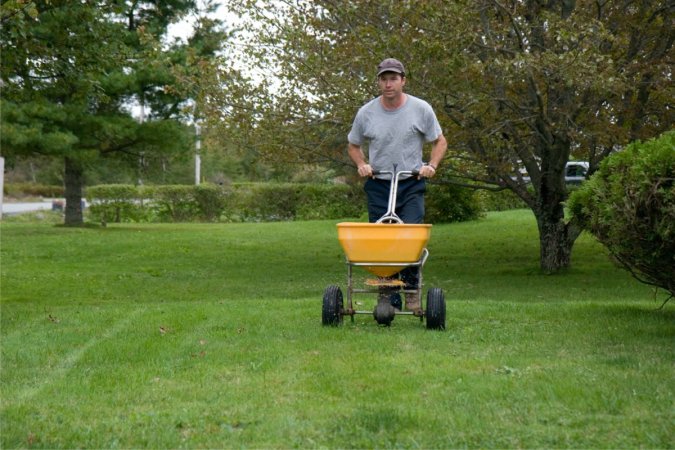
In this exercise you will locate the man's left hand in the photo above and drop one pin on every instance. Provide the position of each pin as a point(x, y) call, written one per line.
point(427, 171)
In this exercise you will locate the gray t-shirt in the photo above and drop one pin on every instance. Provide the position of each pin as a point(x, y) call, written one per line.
point(395, 137)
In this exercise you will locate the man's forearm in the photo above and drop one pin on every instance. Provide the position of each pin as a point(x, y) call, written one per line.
point(438, 150)
point(356, 154)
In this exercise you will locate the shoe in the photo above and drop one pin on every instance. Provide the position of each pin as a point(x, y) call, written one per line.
point(412, 302)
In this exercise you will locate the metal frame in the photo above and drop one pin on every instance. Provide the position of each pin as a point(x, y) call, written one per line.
point(351, 290)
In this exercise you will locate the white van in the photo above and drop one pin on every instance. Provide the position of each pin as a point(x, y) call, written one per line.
point(575, 172)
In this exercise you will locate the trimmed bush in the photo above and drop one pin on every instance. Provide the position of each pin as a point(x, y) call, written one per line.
point(19, 190)
point(170, 203)
point(210, 200)
point(328, 201)
point(629, 206)
point(173, 203)
point(268, 202)
point(116, 203)
point(259, 202)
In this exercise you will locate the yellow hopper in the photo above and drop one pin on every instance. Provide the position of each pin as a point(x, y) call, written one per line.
point(394, 244)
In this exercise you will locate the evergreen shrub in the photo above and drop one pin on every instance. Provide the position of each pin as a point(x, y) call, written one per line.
point(629, 206)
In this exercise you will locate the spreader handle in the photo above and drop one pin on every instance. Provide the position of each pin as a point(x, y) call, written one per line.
point(414, 173)
point(390, 216)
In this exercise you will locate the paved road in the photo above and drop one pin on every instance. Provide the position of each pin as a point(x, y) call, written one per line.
point(22, 207)
point(16, 208)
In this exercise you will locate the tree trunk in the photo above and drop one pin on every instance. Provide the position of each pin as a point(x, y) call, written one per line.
point(556, 237)
point(74, 180)
point(555, 245)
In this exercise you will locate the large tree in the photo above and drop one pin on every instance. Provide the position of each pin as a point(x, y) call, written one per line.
point(72, 71)
point(525, 85)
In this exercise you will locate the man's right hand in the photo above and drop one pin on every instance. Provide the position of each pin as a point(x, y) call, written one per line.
point(365, 170)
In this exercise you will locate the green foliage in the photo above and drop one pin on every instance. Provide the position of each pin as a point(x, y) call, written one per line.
point(184, 203)
point(520, 85)
point(503, 200)
point(330, 201)
point(210, 200)
point(116, 203)
point(172, 203)
point(72, 71)
point(19, 190)
point(261, 202)
point(496, 72)
point(629, 206)
point(245, 202)
point(445, 203)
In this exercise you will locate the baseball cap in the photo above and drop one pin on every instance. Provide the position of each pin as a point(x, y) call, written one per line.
point(390, 65)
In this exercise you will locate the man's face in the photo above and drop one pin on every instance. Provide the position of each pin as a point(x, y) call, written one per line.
point(391, 84)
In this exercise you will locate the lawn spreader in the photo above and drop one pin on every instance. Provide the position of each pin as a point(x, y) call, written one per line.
point(383, 249)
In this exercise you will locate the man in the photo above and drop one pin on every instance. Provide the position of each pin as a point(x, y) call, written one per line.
point(396, 126)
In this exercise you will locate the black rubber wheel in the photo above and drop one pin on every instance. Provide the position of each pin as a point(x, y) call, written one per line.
point(384, 313)
point(332, 306)
point(435, 309)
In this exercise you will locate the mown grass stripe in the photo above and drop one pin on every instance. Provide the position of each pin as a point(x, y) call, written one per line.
point(67, 363)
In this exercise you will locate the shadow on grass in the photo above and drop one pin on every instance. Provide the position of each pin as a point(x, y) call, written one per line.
point(658, 314)
point(637, 321)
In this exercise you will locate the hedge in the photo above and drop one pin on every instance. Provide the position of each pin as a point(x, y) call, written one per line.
point(19, 190)
point(245, 202)
point(116, 203)
point(258, 202)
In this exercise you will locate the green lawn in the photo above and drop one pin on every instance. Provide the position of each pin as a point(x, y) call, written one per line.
point(210, 335)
